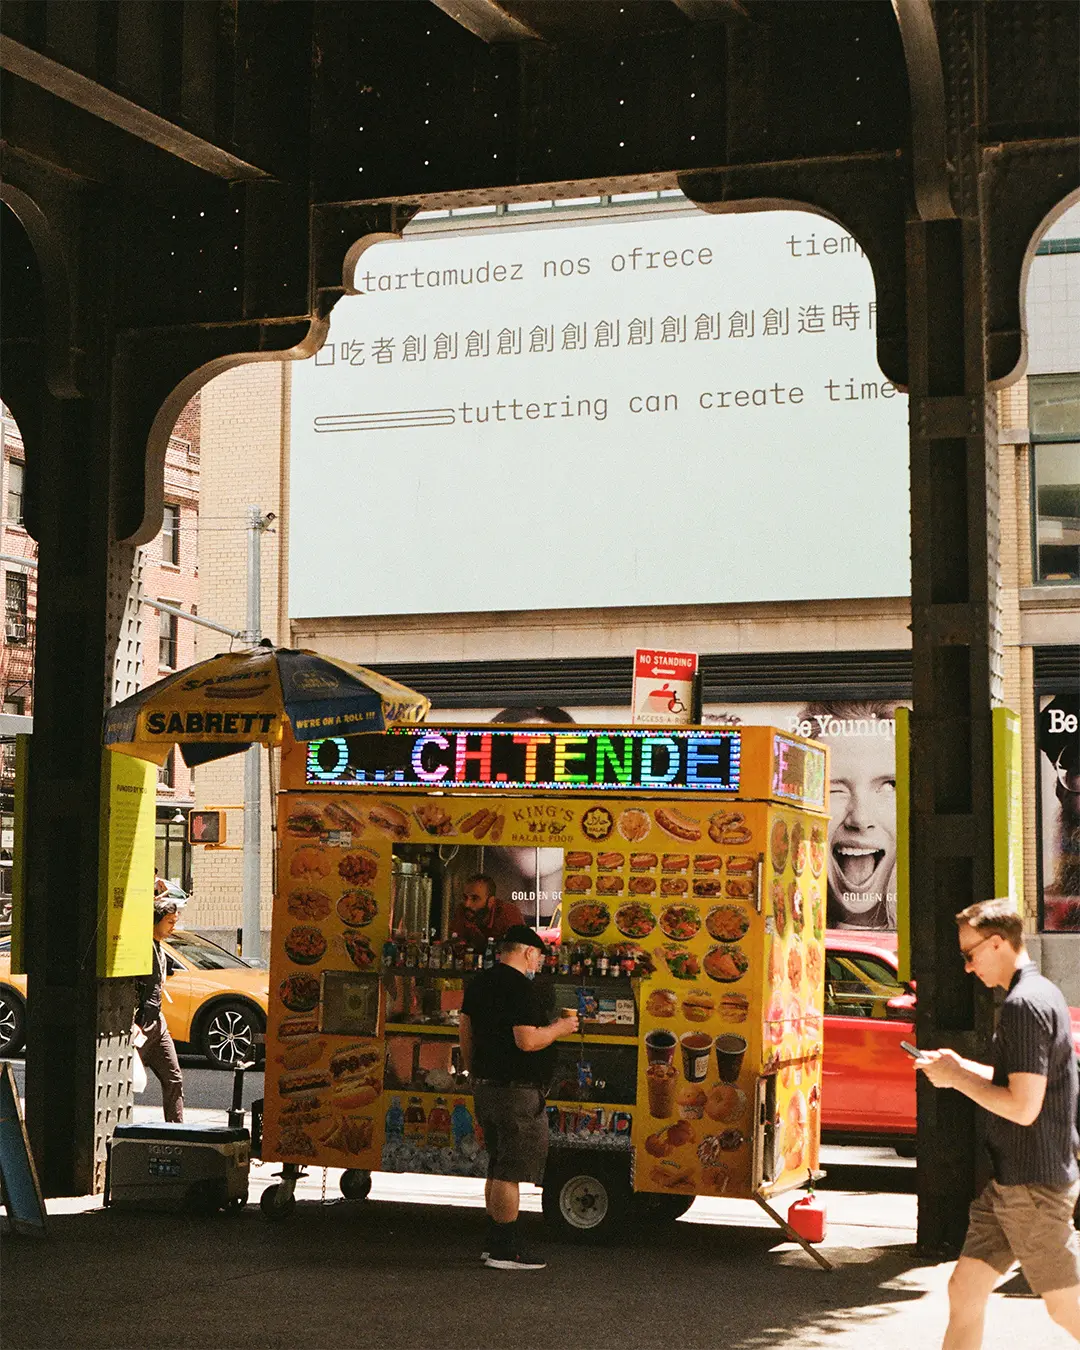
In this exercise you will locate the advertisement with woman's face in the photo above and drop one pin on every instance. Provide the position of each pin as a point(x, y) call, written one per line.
point(1058, 736)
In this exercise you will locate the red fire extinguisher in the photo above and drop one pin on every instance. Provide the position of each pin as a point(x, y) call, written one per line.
point(807, 1218)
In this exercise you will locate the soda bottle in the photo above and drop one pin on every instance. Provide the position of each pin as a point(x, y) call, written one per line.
point(575, 961)
point(438, 1124)
point(587, 964)
point(602, 964)
point(564, 960)
point(423, 955)
point(395, 1117)
point(415, 1119)
point(435, 954)
point(461, 1121)
point(489, 954)
point(448, 952)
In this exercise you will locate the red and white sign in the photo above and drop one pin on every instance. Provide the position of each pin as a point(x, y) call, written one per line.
point(663, 687)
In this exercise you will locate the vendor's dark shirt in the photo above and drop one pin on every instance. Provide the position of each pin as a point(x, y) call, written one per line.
point(496, 1001)
point(493, 923)
point(1034, 1036)
point(149, 987)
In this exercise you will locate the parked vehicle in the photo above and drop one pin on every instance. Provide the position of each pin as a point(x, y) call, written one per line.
point(868, 1082)
point(215, 1003)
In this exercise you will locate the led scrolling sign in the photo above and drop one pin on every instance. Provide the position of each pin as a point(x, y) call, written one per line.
point(581, 760)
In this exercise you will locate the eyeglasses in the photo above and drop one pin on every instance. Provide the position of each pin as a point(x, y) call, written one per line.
point(967, 953)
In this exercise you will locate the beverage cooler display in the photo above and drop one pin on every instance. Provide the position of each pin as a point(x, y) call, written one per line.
point(691, 941)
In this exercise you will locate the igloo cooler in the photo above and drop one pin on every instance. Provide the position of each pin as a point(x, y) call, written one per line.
point(174, 1167)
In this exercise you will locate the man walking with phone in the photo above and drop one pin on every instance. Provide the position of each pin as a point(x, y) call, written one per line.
point(1029, 1093)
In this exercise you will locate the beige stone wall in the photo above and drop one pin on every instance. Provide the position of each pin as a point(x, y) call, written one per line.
point(245, 418)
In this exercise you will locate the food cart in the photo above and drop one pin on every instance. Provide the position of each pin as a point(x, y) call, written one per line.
point(692, 940)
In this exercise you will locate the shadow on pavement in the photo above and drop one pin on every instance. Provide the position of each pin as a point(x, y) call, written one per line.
point(405, 1275)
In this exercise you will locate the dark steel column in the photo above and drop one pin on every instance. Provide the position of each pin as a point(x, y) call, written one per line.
point(957, 663)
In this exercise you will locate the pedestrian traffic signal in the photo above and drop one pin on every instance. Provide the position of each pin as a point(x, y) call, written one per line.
point(206, 827)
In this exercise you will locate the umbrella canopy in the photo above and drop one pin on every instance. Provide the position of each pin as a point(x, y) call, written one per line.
point(220, 706)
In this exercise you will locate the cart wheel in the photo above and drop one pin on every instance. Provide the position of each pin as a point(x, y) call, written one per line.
point(586, 1199)
point(648, 1208)
point(355, 1183)
point(276, 1202)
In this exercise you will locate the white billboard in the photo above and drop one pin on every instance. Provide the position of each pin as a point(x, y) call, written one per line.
point(666, 410)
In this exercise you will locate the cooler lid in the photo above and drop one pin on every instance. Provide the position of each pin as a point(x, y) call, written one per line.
point(168, 1132)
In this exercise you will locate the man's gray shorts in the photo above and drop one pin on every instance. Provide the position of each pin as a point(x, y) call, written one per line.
point(1029, 1224)
point(514, 1121)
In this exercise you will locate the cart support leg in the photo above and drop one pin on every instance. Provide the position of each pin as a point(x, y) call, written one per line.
point(809, 1248)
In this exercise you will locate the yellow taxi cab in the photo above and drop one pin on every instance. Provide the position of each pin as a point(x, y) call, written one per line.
point(214, 1003)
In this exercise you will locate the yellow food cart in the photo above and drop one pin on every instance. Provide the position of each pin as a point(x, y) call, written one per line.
point(692, 897)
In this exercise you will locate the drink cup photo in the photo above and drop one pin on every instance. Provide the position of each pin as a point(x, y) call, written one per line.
point(730, 1050)
point(695, 1055)
point(661, 1084)
point(660, 1047)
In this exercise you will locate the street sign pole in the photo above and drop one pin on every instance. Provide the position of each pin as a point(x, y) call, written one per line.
point(251, 907)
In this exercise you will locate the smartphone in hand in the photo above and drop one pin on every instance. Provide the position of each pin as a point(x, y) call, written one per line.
point(912, 1051)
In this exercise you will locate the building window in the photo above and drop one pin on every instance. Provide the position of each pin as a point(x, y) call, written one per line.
point(167, 641)
point(166, 774)
point(1054, 402)
point(14, 507)
point(15, 594)
point(170, 536)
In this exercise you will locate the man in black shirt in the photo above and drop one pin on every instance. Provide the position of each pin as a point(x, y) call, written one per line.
point(507, 1044)
point(1030, 1096)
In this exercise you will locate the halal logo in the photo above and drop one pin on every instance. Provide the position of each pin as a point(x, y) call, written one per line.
point(313, 682)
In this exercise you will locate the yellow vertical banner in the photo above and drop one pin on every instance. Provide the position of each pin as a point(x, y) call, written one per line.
point(18, 857)
point(903, 842)
point(1008, 808)
point(126, 876)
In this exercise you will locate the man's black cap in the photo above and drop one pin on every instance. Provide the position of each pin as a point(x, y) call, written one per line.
point(524, 936)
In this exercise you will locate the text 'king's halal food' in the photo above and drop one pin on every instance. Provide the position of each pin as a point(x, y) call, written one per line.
point(727, 923)
point(304, 944)
point(299, 993)
point(357, 908)
point(726, 963)
point(308, 904)
point(588, 919)
point(634, 920)
point(680, 922)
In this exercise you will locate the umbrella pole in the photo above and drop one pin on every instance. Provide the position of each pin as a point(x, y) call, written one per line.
point(251, 907)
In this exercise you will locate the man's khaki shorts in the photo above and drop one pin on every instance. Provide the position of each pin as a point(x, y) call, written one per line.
point(514, 1121)
point(1029, 1224)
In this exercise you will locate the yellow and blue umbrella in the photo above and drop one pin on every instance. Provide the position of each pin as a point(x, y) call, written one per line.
point(220, 706)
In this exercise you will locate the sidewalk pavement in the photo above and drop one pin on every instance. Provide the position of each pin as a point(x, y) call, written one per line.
point(401, 1271)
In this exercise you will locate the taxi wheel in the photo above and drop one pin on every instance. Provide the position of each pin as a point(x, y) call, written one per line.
point(12, 1023)
point(277, 1203)
point(586, 1199)
point(355, 1183)
point(229, 1035)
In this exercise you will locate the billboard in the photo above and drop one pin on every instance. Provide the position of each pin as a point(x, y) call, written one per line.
point(665, 410)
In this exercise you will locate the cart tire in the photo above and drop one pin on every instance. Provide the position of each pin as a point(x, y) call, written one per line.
point(649, 1209)
point(355, 1183)
point(277, 1203)
point(586, 1198)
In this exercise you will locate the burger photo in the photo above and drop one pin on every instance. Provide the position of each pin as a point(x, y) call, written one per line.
point(734, 1007)
point(698, 1006)
point(305, 823)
